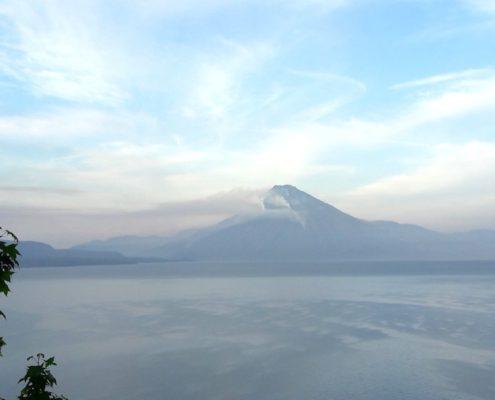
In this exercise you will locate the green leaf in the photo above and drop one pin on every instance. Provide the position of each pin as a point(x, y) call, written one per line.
point(39, 379)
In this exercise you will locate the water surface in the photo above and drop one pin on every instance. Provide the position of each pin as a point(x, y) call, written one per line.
point(187, 331)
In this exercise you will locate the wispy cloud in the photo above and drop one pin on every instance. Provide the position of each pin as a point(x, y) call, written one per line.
point(66, 124)
point(443, 78)
point(217, 83)
point(152, 170)
point(462, 97)
point(58, 49)
point(449, 190)
point(487, 6)
point(122, 109)
point(465, 168)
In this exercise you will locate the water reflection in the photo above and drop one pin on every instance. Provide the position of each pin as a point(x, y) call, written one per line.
point(386, 337)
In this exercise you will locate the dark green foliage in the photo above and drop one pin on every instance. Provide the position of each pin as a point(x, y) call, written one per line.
point(39, 380)
point(8, 263)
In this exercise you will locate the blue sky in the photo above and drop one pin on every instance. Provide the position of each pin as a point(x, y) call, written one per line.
point(108, 108)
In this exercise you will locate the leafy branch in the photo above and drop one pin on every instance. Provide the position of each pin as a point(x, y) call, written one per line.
point(38, 378)
point(8, 264)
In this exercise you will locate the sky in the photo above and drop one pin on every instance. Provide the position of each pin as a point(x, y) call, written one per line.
point(148, 117)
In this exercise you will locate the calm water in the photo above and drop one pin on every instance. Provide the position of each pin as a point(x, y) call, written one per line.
point(145, 332)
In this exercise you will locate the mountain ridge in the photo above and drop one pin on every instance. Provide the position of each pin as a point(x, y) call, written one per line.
point(293, 225)
point(297, 226)
point(39, 254)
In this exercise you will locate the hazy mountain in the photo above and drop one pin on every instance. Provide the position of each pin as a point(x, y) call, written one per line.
point(139, 246)
point(126, 245)
point(296, 226)
point(36, 254)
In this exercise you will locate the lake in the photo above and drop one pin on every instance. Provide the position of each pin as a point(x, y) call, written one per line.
point(379, 331)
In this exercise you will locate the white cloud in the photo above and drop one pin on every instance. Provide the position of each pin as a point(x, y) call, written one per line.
point(215, 88)
point(447, 100)
point(222, 112)
point(114, 175)
point(136, 163)
point(280, 158)
point(465, 169)
point(442, 101)
point(70, 123)
point(59, 49)
point(323, 93)
point(451, 190)
point(487, 6)
point(443, 78)
point(173, 8)
point(131, 176)
point(457, 100)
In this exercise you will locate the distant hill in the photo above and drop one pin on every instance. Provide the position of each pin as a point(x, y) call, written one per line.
point(37, 254)
point(127, 245)
point(295, 226)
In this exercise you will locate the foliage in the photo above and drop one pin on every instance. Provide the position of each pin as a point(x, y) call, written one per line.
point(39, 380)
point(8, 264)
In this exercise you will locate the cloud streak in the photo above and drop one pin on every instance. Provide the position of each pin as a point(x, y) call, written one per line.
point(443, 78)
point(57, 50)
